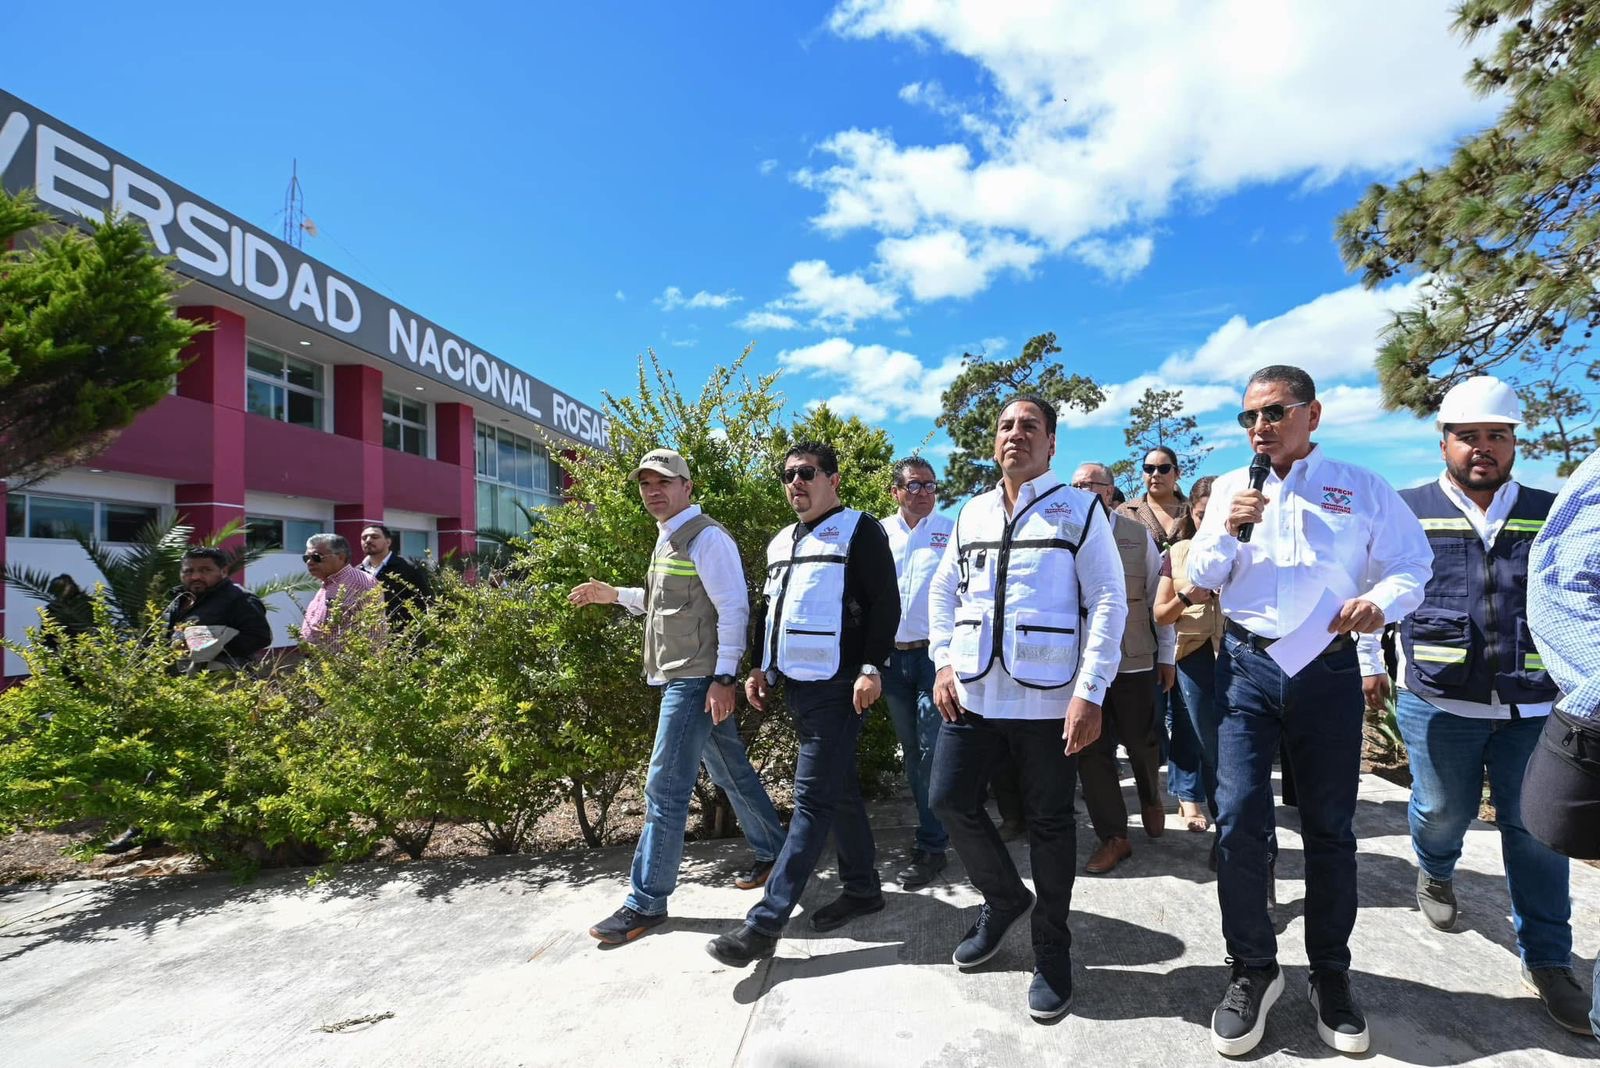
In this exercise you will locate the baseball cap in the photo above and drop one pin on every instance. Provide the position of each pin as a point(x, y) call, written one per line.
point(663, 461)
point(1480, 399)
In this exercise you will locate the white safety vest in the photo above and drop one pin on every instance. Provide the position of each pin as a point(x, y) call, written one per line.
point(805, 598)
point(1021, 572)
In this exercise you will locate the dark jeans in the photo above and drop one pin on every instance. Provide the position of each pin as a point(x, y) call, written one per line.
point(1317, 716)
point(908, 691)
point(968, 752)
point(1130, 718)
point(827, 797)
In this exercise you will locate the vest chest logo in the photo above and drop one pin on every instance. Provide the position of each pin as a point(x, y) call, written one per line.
point(827, 533)
point(938, 540)
point(1056, 511)
point(1337, 499)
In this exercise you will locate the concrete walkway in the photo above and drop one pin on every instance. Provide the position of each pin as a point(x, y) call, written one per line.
point(487, 962)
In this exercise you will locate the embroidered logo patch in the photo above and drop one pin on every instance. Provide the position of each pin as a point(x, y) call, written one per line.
point(828, 533)
point(1337, 499)
point(938, 540)
point(1058, 510)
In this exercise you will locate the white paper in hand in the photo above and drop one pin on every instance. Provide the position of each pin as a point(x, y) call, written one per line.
point(1307, 641)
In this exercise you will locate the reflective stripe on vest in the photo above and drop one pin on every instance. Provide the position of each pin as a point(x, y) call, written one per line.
point(805, 598)
point(1439, 654)
point(1025, 574)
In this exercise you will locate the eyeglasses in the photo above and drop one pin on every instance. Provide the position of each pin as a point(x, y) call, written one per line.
point(916, 486)
point(312, 558)
point(1166, 469)
point(1085, 484)
point(1273, 413)
point(805, 472)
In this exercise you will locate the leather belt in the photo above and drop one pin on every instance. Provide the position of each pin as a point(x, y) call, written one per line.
point(1257, 643)
point(905, 647)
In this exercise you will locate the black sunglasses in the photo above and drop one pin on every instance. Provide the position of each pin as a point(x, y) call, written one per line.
point(312, 558)
point(1273, 413)
point(916, 486)
point(1152, 469)
point(806, 472)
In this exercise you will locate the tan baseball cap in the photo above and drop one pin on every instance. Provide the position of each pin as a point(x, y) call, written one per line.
point(663, 461)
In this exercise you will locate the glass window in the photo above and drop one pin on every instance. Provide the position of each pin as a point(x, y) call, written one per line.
point(405, 425)
point(262, 534)
point(59, 517)
point(16, 515)
point(123, 522)
point(297, 531)
point(283, 388)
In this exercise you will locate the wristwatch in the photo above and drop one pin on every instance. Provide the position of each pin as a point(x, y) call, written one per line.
point(725, 680)
point(869, 669)
point(1184, 597)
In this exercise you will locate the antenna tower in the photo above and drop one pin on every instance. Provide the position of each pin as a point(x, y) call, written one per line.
point(294, 210)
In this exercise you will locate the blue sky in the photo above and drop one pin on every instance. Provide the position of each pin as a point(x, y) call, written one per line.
point(865, 190)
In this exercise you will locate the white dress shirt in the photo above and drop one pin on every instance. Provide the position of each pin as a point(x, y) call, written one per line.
point(1487, 524)
point(1328, 525)
point(716, 561)
point(917, 551)
point(1100, 589)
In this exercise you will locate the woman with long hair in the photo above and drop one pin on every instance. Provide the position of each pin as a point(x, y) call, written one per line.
point(1192, 758)
point(1163, 508)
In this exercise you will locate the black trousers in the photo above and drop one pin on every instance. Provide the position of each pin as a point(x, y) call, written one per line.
point(1130, 718)
point(963, 762)
point(1561, 788)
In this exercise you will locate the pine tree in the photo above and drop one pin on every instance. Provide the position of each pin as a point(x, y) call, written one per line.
point(88, 337)
point(1507, 233)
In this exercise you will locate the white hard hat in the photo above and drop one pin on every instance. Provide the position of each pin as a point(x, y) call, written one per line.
point(1482, 399)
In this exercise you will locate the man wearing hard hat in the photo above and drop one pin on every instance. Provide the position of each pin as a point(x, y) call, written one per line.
point(1475, 693)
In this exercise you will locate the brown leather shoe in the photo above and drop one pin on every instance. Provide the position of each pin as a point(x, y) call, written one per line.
point(1155, 820)
point(1112, 851)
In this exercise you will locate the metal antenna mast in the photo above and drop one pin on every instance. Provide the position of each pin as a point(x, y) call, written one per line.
point(294, 210)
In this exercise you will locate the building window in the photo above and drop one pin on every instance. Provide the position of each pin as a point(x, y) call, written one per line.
point(413, 544)
point(405, 425)
point(31, 515)
point(513, 473)
point(283, 388)
point(270, 534)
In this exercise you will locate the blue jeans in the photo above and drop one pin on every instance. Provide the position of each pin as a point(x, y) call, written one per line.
point(908, 690)
point(827, 797)
point(685, 736)
point(1183, 747)
point(1197, 707)
point(1448, 757)
point(1317, 716)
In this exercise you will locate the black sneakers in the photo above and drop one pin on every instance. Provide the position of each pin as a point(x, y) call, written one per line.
point(842, 909)
point(624, 925)
point(755, 876)
point(1437, 900)
point(1238, 1022)
point(982, 940)
point(1339, 1022)
point(920, 872)
point(741, 946)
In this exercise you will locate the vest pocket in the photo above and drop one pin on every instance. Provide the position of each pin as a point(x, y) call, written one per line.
point(1042, 648)
point(1439, 643)
point(968, 641)
point(809, 649)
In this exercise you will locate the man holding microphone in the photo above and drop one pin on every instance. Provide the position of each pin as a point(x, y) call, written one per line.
point(1314, 537)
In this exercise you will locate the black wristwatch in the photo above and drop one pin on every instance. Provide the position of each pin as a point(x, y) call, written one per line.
point(725, 680)
point(1184, 597)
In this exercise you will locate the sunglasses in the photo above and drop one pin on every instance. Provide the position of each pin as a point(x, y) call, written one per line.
point(312, 558)
point(916, 486)
point(1273, 413)
point(1085, 484)
point(1165, 469)
point(804, 472)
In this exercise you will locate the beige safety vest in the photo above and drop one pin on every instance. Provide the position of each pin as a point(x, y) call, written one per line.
point(680, 630)
point(1200, 623)
point(1139, 634)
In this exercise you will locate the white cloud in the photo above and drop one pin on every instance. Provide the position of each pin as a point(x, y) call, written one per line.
point(685, 343)
point(1103, 116)
point(836, 301)
point(621, 296)
point(766, 320)
point(878, 382)
point(1121, 396)
point(945, 264)
point(767, 166)
point(672, 298)
point(1333, 337)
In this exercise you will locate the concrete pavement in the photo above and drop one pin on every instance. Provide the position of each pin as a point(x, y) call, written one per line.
point(487, 962)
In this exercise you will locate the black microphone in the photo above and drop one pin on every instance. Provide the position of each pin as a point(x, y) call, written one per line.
point(1258, 478)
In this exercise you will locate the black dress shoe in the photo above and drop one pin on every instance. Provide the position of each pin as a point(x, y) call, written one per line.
point(920, 872)
point(124, 842)
point(842, 909)
point(739, 947)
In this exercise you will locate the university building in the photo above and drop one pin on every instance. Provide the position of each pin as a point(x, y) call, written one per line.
point(312, 403)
